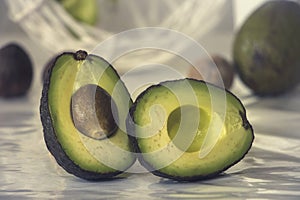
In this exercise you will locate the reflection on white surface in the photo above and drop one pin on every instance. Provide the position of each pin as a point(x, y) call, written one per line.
point(271, 170)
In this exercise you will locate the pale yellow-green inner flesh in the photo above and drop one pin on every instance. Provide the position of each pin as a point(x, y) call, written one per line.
point(94, 155)
point(181, 121)
point(220, 143)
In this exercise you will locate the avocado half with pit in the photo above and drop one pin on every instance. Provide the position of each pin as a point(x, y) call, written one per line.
point(188, 129)
point(83, 110)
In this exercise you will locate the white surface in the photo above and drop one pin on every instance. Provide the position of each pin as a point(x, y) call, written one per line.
point(271, 170)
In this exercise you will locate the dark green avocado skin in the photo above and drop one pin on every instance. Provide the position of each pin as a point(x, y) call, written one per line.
point(266, 49)
point(130, 124)
point(52, 142)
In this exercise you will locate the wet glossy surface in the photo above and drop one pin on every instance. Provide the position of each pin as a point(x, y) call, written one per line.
point(271, 170)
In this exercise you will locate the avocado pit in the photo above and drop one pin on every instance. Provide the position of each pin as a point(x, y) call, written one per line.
point(94, 112)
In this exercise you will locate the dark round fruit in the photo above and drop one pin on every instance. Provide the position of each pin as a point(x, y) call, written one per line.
point(16, 71)
point(207, 67)
point(225, 68)
point(266, 49)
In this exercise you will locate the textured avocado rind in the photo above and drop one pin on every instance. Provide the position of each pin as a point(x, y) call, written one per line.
point(130, 124)
point(52, 141)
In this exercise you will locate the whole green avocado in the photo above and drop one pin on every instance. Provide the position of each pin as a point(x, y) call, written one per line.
point(266, 49)
point(84, 11)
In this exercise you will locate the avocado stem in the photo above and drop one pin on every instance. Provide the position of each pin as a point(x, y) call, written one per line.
point(80, 55)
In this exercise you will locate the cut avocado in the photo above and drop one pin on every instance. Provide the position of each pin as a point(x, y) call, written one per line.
point(83, 109)
point(188, 129)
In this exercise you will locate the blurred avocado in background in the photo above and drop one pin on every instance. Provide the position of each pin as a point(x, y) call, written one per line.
point(266, 50)
point(85, 11)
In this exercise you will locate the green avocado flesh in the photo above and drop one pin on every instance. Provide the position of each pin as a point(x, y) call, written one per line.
point(77, 152)
point(266, 48)
point(189, 130)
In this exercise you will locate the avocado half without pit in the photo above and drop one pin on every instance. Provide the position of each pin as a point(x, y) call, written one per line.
point(188, 130)
point(83, 109)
